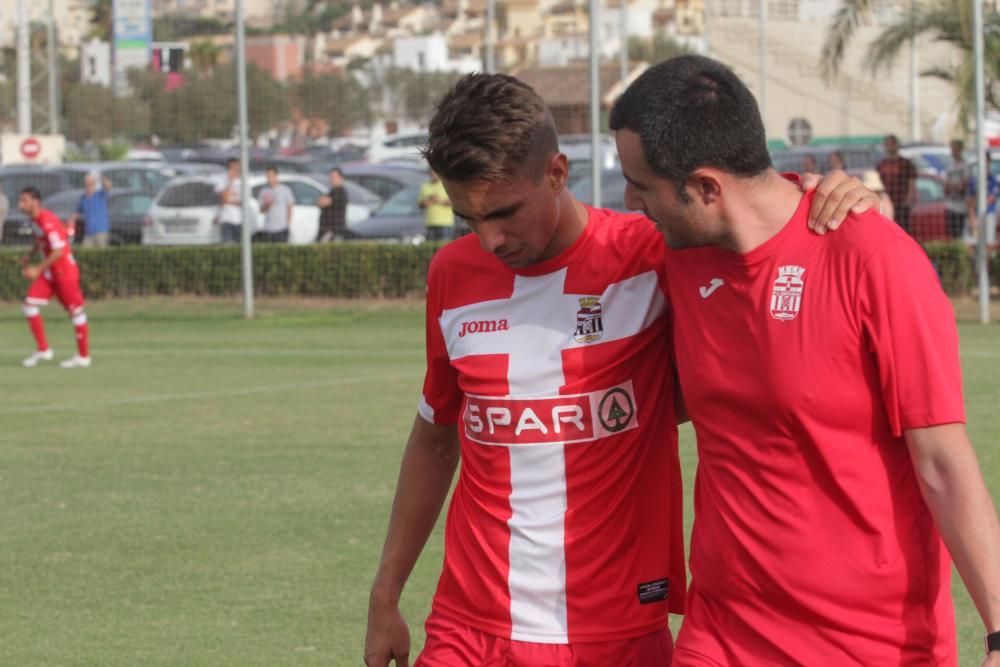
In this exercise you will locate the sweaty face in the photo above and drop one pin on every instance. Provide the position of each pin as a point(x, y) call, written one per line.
point(681, 223)
point(516, 220)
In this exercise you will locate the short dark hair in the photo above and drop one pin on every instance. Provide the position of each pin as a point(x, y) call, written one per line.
point(32, 192)
point(336, 170)
point(491, 127)
point(230, 161)
point(692, 112)
point(891, 137)
point(271, 167)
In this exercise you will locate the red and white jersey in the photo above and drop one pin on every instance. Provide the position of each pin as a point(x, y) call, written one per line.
point(52, 233)
point(802, 363)
point(565, 525)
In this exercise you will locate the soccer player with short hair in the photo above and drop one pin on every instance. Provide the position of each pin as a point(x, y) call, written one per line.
point(822, 376)
point(549, 374)
point(56, 274)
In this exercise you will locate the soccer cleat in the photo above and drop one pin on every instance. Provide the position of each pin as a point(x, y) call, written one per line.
point(41, 355)
point(76, 361)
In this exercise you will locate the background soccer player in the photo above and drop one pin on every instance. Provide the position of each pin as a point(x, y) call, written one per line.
point(823, 380)
point(57, 274)
point(549, 374)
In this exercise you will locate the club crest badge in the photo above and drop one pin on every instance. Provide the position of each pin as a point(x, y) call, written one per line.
point(786, 294)
point(588, 320)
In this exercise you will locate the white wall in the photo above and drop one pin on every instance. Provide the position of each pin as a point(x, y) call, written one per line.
point(95, 62)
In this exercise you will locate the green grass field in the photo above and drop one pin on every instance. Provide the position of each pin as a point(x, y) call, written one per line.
point(214, 492)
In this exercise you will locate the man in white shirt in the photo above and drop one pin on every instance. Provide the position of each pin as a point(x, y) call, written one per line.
point(276, 202)
point(230, 216)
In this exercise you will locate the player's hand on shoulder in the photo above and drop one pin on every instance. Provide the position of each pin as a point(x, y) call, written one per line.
point(388, 637)
point(837, 195)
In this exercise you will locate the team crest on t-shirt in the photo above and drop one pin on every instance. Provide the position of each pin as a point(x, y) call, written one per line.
point(588, 320)
point(786, 294)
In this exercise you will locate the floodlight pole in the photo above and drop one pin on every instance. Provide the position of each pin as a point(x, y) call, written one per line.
point(623, 29)
point(981, 170)
point(23, 70)
point(914, 82)
point(595, 104)
point(762, 54)
point(491, 58)
point(53, 71)
point(247, 231)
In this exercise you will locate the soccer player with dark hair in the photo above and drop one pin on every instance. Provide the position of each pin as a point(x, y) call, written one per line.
point(822, 376)
point(56, 274)
point(549, 374)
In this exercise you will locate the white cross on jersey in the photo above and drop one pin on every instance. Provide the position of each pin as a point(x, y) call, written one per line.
point(542, 322)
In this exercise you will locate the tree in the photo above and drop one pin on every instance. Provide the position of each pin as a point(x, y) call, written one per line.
point(204, 56)
point(338, 99)
point(948, 21)
point(101, 20)
point(657, 49)
point(416, 94)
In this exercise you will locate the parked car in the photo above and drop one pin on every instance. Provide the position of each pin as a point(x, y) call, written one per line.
point(16, 229)
point(356, 194)
point(929, 159)
point(400, 218)
point(612, 190)
point(184, 212)
point(577, 149)
point(927, 218)
point(126, 210)
point(384, 180)
point(856, 157)
point(404, 146)
point(139, 176)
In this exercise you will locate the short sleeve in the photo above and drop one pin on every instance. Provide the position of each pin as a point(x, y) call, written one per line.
point(909, 325)
point(441, 401)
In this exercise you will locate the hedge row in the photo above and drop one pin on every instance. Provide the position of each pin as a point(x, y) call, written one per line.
point(348, 270)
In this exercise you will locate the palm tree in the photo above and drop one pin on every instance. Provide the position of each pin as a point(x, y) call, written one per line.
point(948, 21)
point(205, 56)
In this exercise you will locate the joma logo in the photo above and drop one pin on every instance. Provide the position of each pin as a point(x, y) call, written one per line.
point(482, 326)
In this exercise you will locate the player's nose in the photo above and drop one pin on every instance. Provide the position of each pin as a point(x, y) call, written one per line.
point(491, 238)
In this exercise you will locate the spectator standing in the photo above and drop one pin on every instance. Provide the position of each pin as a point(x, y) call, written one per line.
point(276, 202)
point(837, 162)
point(333, 209)
point(438, 216)
point(809, 165)
point(92, 212)
point(956, 185)
point(230, 216)
point(900, 179)
point(870, 179)
point(992, 195)
point(4, 209)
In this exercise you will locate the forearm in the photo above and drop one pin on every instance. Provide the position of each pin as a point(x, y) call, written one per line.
point(954, 490)
point(50, 260)
point(425, 476)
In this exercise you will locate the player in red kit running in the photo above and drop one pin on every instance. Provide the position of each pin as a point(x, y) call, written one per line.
point(822, 377)
point(57, 274)
point(549, 374)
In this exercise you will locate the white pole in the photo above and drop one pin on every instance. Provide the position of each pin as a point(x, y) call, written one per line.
point(595, 104)
point(914, 83)
point(491, 58)
point(23, 70)
point(623, 32)
point(762, 53)
point(981, 175)
point(53, 72)
point(247, 227)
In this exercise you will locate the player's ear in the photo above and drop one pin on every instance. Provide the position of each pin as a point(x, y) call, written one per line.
point(557, 172)
point(705, 186)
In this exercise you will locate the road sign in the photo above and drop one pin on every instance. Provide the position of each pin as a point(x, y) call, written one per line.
point(31, 148)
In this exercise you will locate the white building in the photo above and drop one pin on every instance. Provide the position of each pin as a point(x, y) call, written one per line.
point(429, 53)
point(95, 62)
point(71, 17)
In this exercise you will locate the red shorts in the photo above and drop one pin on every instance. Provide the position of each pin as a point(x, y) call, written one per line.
point(65, 285)
point(452, 644)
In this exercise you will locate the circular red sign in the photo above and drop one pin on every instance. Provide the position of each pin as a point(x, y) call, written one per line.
point(31, 148)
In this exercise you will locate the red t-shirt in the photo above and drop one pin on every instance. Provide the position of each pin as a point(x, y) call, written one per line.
point(565, 525)
point(802, 362)
point(52, 232)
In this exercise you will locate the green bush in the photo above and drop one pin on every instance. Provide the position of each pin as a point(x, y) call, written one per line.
point(349, 270)
point(953, 262)
point(329, 270)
